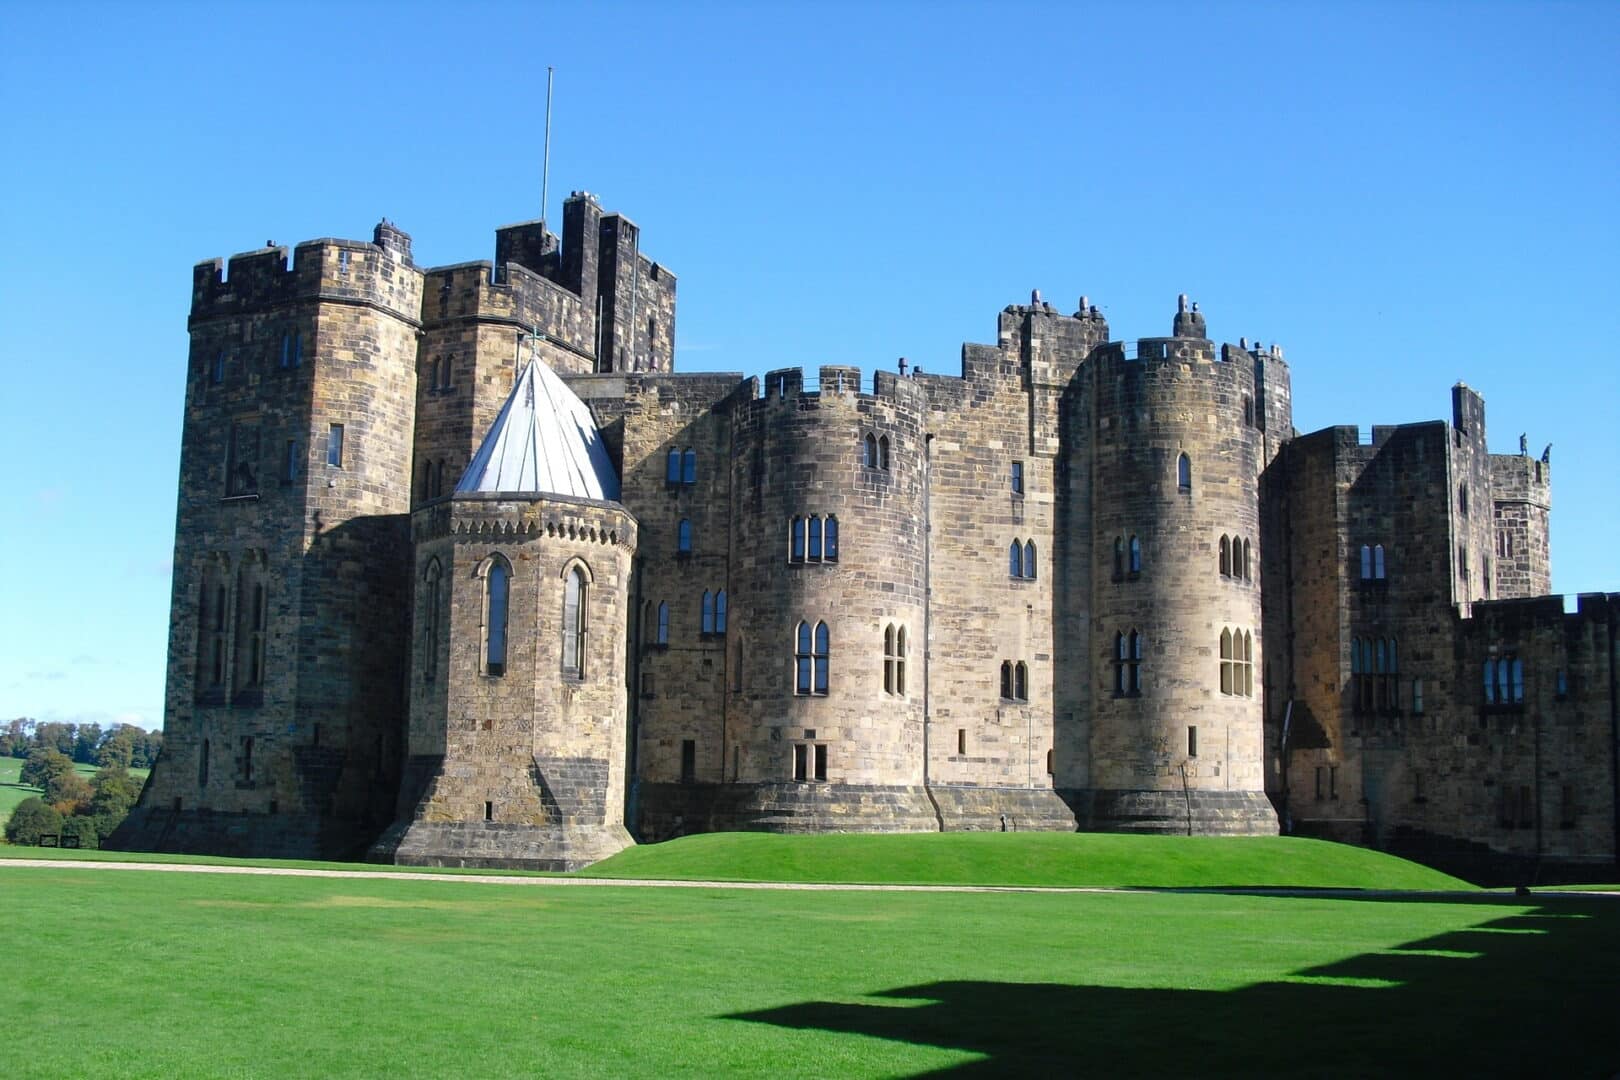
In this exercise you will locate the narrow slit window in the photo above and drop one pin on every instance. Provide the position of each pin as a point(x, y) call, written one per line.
point(883, 453)
point(1136, 555)
point(814, 553)
point(720, 612)
point(1029, 559)
point(708, 612)
point(830, 546)
point(663, 622)
point(871, 452)
point(1018, 478)
point(689, 466)
point(688, 761)
point(821, 761)
point(683, 537)
point(334, 446)
point(1184, 474)
point(672, 467)
point(796, 540)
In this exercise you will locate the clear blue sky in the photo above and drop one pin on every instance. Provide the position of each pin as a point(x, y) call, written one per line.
point(1402, 195)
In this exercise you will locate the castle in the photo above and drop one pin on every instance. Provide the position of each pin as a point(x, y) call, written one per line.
point(466, 574)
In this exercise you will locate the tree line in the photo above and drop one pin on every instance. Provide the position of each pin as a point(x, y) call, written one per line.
point(86, 810)
point(87, 744)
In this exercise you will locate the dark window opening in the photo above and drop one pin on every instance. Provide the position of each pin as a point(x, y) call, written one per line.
point(688, 761)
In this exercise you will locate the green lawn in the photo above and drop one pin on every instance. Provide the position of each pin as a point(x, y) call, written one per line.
point(150, 974)
point(1043, 859)
point(12, 792)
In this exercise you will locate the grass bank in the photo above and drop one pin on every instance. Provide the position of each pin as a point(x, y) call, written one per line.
point(1073, 860)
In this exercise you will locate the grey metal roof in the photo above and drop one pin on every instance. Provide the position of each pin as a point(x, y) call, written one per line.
point(544, 442)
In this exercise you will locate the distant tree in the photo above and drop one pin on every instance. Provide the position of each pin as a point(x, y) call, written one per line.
point(147, 748)
point(84, 828)
point(117, 750)
point(55, 736)
point(86, 743)
point(17, 738)
point(44, 766)
point(115, 792)
point(69, 793)
point(31, 820)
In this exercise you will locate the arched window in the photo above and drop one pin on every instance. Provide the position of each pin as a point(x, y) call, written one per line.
point(802, 660)
point(796, 540)
point(1378, 562)
point(252, 621)
point(1246, 576)
point(883, 453)
point(708, 612)
point(683, 537)
point(1119, 557)
point(720, 612)
point(1226, 557)
point(430, 620)
point(823, 648)
point(1227, 670)
point(900, 661)
point(1015, 559)
point(1136, 662)
point(689, 466)
point(1248, 664)
point(830, 545)
point(1184, 474)
point(672, 467)
point(1119, 663)
point(810, 659)
point(1006, 680)
point(1366, 563)
point(1136, 555)
point(1021, 681)
point(497, 586)
point(202, 765)
point(888, 659)
point(1029, 559)
point(574, 623)
point(870, 460)
point(815, 538)
point(663, 622)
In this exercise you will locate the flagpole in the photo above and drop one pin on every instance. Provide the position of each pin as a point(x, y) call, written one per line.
point(545, 169)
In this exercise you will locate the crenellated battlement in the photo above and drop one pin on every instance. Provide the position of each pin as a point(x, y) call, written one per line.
point(789, 386)
point(380, 274)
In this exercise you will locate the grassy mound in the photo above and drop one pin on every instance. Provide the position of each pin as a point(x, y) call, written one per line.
point(1040, 859)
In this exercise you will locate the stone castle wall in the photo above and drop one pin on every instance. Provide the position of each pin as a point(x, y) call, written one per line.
point(302, 718)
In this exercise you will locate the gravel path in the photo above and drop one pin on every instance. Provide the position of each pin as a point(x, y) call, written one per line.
point(654, 883)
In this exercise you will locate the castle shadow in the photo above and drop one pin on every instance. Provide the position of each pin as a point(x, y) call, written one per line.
point(1519, 994)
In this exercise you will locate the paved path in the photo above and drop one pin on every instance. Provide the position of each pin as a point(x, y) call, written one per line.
point(659, 883)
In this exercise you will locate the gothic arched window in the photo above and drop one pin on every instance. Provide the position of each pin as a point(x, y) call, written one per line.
point(574, 623)
point(497, 588)
point(1184, 473)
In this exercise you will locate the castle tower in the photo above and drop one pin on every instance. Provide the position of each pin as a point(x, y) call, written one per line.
point(283, 706)
point(1173, 737)
point(1521, 494)
point(517, 696)
point(824, 710)
point(561, 304)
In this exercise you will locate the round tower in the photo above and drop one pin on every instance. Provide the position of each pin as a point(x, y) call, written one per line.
point(824, 716)
point(1176, 731)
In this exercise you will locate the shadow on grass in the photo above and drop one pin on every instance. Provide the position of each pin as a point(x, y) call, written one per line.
point(1518, 994)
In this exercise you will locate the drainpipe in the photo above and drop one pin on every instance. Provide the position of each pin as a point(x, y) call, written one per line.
point(1614, 725)
point(927, 614)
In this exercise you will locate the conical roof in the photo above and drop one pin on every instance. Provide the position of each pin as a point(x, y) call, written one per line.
point(544, 442)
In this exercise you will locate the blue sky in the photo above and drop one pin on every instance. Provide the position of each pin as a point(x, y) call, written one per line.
point(1402, 195)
